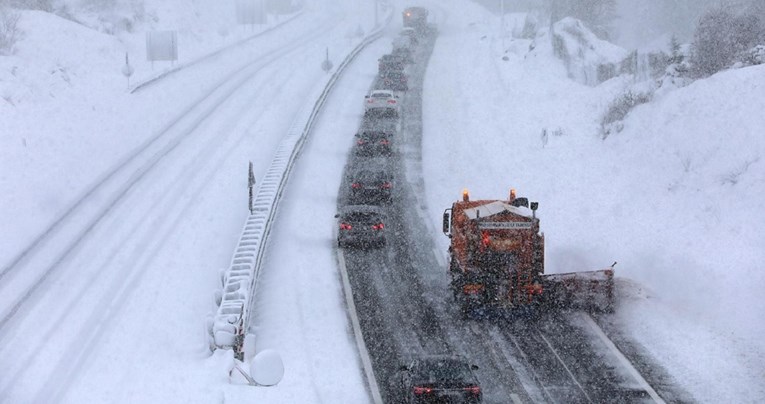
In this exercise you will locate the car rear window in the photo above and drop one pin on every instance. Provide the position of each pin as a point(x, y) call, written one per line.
point(370, 176)
point(363, 217)
point(373, 135)
point(442, 371)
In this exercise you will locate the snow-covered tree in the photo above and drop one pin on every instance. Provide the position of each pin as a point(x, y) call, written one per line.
point(721, 37)
point(598, 15)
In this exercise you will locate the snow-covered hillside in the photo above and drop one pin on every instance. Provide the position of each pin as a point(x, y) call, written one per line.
point(674, 197)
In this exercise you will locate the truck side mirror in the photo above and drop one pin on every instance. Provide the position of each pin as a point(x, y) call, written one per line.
point(534, 205)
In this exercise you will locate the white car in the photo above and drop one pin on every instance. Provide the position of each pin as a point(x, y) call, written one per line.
point(381, 101)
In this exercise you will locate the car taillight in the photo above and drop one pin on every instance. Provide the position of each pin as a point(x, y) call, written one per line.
point(360, 142)
point(378, 226)
point(391, 101)
point(472, 289)
point(355, 185)
point(370, 100)
point(476, 390)
point(345, 226)
point(422, 390)
point(386, 185)
point(384, 142)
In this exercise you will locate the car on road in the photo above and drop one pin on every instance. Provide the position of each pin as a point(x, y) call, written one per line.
point(390, 63)
point(410, 33)
point(395, 81)
point(439, 379)
point(374, 143)
point(381, 102)
point(370, 186)
point(405, 54)
point(388, 124)
point(361, 226)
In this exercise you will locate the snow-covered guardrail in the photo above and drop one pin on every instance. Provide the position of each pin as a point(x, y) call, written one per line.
point(240, 279)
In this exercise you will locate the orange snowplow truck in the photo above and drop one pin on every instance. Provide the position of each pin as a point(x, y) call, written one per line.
point(415, 17)
point(497, 262)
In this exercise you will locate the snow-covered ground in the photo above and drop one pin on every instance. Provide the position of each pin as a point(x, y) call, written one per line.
point(674, 198)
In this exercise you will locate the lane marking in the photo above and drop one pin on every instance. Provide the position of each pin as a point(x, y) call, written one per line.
point(564, 366)
point(358, 336)
point(515, 398)
point(534, 375)
point(623, 359)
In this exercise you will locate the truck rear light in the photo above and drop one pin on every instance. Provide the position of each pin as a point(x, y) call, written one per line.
point(472, 289)
point(385, 142)
point(345, 226)
point(475, 390)
point(422, 390)
point(355, 185)
point(386, 185)
point(378, 226)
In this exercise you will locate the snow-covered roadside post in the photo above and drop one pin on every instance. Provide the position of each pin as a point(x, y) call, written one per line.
point(502, 23)
point(127, 70)
point(326, 65)
point(251, 184)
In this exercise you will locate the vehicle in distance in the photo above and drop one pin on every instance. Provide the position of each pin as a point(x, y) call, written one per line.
point(395, 81)
point(411, 34)
point(371, 187)
point(405, 54)
point(390, 63)
point(416, 17)
point(373, 143)
point(440, 379)
point(381, 101)
point(388, 125)
point(361, 226)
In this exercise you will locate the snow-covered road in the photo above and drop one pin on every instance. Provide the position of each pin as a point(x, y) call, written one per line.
point(120, 281)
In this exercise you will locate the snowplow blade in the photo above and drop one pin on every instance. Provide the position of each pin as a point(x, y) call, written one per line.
point(589, 290)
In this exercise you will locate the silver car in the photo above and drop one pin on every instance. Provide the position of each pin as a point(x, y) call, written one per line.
point(381, 101)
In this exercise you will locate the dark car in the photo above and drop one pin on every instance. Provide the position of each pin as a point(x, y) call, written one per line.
point(375, 123)
point(361, 226)
point(390, 63)
point(373, 143)
point(405, 54)
point(371, 187)
point(395, 81)
point(440, 379)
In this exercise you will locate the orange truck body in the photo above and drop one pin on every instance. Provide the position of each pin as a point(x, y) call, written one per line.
point(497, 259)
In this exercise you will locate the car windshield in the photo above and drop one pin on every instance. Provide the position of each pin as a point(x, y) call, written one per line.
point(371, 176)
point(373, 135)
point(362, 218)
point(442, 371)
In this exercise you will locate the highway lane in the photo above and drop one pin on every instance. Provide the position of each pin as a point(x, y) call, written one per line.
point(405, 305)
